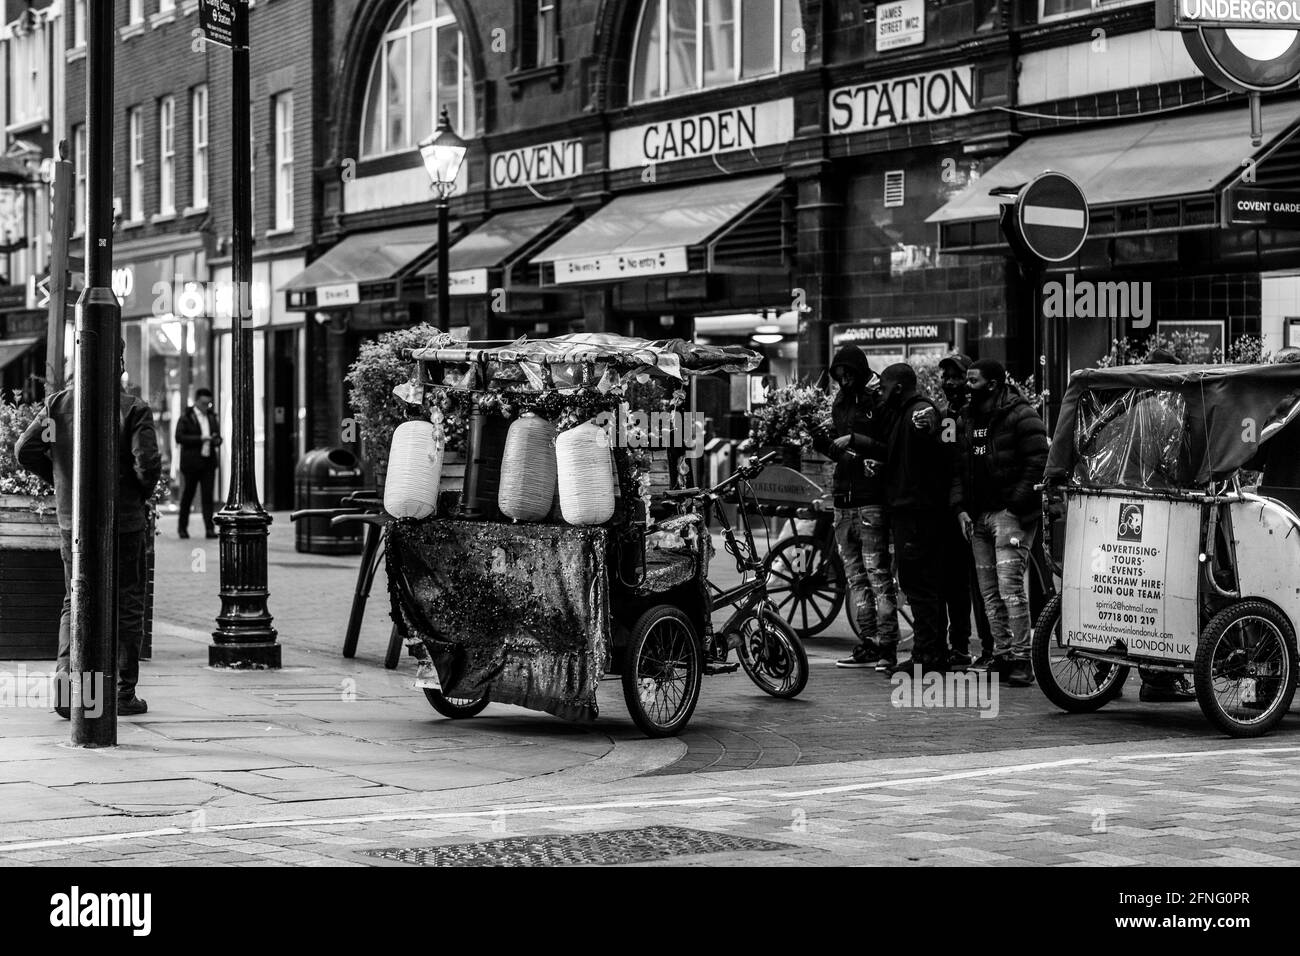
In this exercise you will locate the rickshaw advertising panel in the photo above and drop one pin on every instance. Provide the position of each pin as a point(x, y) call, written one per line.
point(1131, 575)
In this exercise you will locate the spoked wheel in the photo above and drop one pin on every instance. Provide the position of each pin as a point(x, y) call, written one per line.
point(1073, 683)
point(662, 668)
point(1246, 669)
point(806, 583)
point(772, 655)
point(456, 708)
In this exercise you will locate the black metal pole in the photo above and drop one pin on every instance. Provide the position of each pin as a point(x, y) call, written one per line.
point(97, 404)
point(244, 636)
point(444, 280)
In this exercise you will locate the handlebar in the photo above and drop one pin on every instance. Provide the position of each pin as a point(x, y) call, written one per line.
point(744, 472)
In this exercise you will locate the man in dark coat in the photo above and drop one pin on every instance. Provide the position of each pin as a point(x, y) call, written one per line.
point(959, 581)
point(861, 531)
point(46, 449)
point(917, 468)
point(1002, 451)
point(199, 436)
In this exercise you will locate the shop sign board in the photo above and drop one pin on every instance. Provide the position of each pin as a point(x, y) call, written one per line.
point(779, 485)
point(329, 296)
point(532, 165)
point(900, 24)
point(942, 332)
point(1131, 575)
point(1262, 208)
point(899, 100)
point(627, 265)
point(704, 134)
point(467, 282)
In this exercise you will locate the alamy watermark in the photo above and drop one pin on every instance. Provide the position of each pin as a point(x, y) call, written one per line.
point(626, 428)
point(935, 690)
point(1084, 299)
point(41, 690)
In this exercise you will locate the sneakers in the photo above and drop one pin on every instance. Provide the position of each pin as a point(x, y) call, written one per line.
point(959, 660)
point(985, 662)
point(888, 661)
point(182, 533)
point(864, 655)
point(132, 708)
point(907, 667)
point(1176, 691)
point(1020, 673)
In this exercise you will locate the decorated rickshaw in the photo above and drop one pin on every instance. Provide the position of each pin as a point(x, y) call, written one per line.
point(1169, 564)
point(576, 546)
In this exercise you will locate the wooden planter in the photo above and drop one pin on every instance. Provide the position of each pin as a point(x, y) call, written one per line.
point(31, 579)
point(787, 455)
point(818, 469)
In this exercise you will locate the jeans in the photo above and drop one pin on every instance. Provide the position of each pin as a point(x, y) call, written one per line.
point(202, 480)
point(1001, 542)
point(862, 535)
point(920, 540)
point(130, 610)
point(959, 583)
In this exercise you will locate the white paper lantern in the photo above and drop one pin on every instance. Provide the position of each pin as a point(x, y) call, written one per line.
point(584, 476)
point(414, 470)
point(528, 470)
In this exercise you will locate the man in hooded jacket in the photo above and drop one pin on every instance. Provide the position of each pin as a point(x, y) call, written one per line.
point(861, 529)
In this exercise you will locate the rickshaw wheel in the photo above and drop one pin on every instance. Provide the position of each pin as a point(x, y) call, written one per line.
point(772, 655)
point(806, 583)
point(1078, 685)
point(456, 708)
point(662, 669)
point(1246, 669)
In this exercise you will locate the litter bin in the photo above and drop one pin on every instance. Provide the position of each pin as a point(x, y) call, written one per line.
point(323, 478)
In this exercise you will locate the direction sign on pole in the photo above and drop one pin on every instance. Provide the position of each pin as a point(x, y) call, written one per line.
point(217, 20)
point(1051, 217)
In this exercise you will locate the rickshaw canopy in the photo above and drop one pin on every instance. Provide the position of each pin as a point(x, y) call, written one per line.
point(669, 356)
point(1161, 427)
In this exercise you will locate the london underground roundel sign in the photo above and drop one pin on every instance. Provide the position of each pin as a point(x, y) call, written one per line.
point(1247, 46)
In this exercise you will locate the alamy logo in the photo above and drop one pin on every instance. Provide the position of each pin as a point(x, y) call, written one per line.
point(1130, 522)
point(626, 428)
point(76, 909)
point(1084, 299)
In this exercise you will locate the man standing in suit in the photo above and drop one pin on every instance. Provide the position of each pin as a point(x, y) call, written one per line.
point(198, 436)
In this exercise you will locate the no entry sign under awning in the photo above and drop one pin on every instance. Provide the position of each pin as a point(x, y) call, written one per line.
point(1051, 217)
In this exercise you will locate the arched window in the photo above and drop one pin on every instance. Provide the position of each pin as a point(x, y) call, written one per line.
point(422, 65)
point(687, 45)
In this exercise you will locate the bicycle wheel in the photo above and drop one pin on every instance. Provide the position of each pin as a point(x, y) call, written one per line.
point(806, 583)
point(662, 669)
point(772, 655)
point(1078, 685)
point(457, 708)
point(1246, 669)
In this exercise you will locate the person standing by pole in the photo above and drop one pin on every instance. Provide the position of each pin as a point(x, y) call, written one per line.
point(198, 435)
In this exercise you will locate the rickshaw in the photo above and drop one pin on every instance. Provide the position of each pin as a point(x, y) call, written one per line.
point(1168, 563)
point(535, 613)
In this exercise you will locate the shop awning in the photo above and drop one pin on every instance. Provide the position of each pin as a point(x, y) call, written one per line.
point(730, 225)
point(365, 267)
point(1140, 177)
point(13, 349)
point(497, 245)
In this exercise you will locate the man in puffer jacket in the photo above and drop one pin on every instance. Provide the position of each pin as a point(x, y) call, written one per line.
point(861, 531)
point(1002, 451)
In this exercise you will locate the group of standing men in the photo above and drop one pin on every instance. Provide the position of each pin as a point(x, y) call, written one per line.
point(953, 491)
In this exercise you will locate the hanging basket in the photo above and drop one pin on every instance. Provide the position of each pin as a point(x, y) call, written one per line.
point(528, 470)
point(414, 468)
point(585, 475)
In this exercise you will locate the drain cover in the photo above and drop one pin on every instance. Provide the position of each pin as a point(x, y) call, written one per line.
point(604, 848)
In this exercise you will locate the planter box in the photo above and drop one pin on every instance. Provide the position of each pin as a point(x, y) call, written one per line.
point(818, 469)
point(31, 580)
point(787, 455)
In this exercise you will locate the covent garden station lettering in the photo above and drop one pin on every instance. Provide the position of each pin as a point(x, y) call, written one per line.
point(941, 94)
point(742, 127)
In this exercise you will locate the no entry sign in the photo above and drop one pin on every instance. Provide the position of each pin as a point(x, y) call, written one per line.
point(1051, 217)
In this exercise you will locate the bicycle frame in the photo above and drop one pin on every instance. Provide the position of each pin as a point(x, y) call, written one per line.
point(747, 595)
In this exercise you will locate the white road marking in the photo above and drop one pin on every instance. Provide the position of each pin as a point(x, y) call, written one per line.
point(777, 796)
point(1054, 216)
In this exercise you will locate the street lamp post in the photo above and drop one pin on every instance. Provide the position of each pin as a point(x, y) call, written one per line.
point(96, 403)
point(244, 636)
point(444, 153)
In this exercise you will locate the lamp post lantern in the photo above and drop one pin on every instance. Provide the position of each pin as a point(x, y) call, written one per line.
point(244, 636)
point(443, 154)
